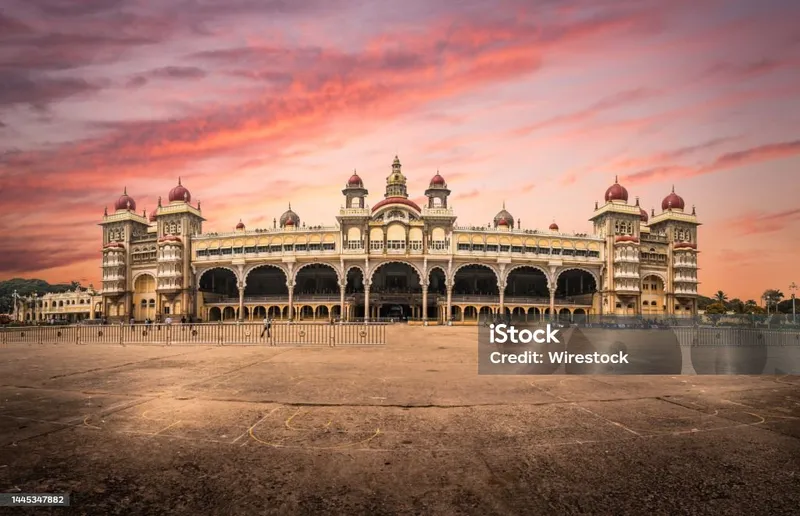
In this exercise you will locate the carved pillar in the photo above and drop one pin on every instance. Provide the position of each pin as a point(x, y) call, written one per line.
point(552, 301)
point(424, 302)
point(241, 303)
point(341, 302)
point(502, 289)
point(367, 286)
point(449, 303)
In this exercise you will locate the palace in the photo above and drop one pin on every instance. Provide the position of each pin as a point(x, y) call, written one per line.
point(396, 259)
point(67, 307)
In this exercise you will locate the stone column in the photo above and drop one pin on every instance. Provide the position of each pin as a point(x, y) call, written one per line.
point(341, 302)
point(241, 304)
point(552, 302)
point(449, 303)
point(502, 307)
point(367, 286)
point(424, 302)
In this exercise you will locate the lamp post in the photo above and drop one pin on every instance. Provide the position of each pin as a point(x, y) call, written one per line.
point(792, 289)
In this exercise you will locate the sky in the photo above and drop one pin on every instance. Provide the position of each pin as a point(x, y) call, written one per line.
point(535, 103)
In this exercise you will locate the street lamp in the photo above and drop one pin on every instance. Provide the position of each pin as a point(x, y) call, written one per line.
point(792, 289)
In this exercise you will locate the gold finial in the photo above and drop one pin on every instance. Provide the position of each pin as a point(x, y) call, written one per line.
point(504, 204)
point(616, 179)
point(125, 190)
point(673, 188)
point(179, 180)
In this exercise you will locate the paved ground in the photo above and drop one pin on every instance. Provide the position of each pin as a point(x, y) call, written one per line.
point(407, 428)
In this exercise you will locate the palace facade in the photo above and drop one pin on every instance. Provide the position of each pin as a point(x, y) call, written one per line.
point(396, 259)
point(68, 307)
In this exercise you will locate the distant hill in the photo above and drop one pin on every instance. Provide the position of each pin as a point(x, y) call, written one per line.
point(26, 287)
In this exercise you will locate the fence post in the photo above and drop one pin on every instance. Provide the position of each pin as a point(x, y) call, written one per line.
point(122, 335)
point(77, 335)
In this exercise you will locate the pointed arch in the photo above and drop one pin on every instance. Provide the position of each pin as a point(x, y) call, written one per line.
point(374, 268)
point(509, 270)
point(200, 273)
point(595, 274)
point(251, 268)
point(326, 264)
point(486, 265)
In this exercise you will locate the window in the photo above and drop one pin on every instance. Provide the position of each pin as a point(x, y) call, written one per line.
point(463, 247)
point(516, 248)
point(491, 248)
point(329, 246)
point(288, 248)
point(504, 248)
point(250, 250)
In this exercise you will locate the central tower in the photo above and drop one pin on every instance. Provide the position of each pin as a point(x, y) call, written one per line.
point(396, 182)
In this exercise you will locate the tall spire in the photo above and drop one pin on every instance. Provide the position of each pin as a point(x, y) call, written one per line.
point(124, 190)
point(179, 180)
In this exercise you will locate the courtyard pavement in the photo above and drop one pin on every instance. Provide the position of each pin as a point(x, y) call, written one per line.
point(406, 428)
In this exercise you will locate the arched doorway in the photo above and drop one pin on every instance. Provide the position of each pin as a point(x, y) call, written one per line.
point(395, 291)
point(316, 279)
point(526, 285)
point(266, 282)
point(576, 287)
point(437, 293)
point(354, 293)
point(476, 281)
point(144, 291)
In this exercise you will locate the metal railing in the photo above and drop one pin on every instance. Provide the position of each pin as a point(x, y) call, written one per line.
point(279, 334)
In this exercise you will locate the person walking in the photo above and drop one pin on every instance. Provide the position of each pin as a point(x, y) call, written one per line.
point(267, 327)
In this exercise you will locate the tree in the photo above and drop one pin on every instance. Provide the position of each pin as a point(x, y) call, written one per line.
point(721, 296)
point(772, 297)
point(736, 305)
point(716, 309)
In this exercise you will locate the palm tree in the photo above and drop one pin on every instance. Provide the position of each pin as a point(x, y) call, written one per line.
point(721, 296)
point(772, 297)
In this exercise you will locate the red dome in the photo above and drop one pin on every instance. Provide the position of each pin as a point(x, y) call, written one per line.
point(672, 202)
point(437, 180)
point(396, 200)
point(289, 222)
point(125, 202)
point(502, 222)
point(643, 216)
point(553, 227)
point(355, 180)
point(240, 225)
point(153, 215)
point(179, 193)
point(616, 192)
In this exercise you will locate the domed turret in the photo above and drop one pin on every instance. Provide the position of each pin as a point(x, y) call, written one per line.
point(125, 202)
point(553, 227)
point(437, 180)
point(180, 193)
point(616, 192)
point(152, 217)
point(240, 226)
point(503, 218)
point(355, 181)
point(643, 216)
point(289, 218)
point(672, 202)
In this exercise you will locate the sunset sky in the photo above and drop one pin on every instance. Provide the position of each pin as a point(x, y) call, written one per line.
point(538, 103)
